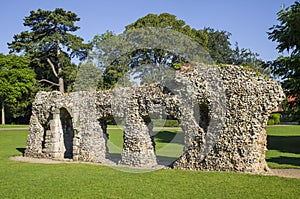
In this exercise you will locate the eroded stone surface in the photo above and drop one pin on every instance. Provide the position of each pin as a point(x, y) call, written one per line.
point(223, 112)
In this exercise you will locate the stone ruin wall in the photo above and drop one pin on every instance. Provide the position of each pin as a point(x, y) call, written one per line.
point(223, 113)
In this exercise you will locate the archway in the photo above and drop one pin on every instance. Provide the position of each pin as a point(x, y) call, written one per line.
point(68, 133)
point(168, 139)
point(113, 134)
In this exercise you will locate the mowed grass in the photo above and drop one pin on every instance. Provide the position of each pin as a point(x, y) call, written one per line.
point(283, 146)
point(14, 126)
point(168, 144)
point(32, 180)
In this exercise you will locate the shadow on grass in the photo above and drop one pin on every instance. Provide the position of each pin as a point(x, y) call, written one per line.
point(167, 137)
point(166, 161)
point(285, 160)
point(22, 150)
point(287, 144)
point(115, 157)
point(161, 160)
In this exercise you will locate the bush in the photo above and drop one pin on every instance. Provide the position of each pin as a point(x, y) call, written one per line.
point(276, 117)
point(271, 122)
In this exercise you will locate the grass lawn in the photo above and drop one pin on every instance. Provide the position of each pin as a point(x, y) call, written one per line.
point(169, 144)
point(31, 180)
point(14, 126)
point(284, 146)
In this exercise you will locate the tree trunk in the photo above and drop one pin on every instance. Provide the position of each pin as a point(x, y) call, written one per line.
point(61, 84)
point(59, 69)
point(2, 114)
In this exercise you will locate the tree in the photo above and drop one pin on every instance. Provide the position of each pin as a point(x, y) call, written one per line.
point(169, 21)
point(245, 57)
point(160, 43)
point(162, 40)
point(50, 44)
point(221, 51)
point(165, 21)
point(219, 46)
point(111, 71)
point(287, 68)
point(16, 83)
point(216, 42)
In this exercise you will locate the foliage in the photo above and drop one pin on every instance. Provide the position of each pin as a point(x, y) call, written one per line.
point(50, 44)
point(274, 118)
point(158, 56)
point(216, 42)
point(287, 68)
point(69, 74)
point(153, 63)
point(169, 21)
point(219, 45)
point(110, 67)
point(87, 77)
point(247, 58)
point(291, 110)
point(177, 66)
point(271, 122)
point(16, 83)
point(277, 118)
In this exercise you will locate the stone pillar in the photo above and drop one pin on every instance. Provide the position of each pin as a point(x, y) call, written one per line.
point(89, 142)
point(138, 148)
point(56, 147)
point(35, 138)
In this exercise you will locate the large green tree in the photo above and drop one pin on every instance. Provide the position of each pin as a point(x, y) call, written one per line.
point(147, 32)
point(287, 68)
point(163, 40)
point(170, 22)
point(216, 42)
point(50, 44)
point(16, 84)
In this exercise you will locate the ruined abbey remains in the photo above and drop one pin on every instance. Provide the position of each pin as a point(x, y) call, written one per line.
point(223, 112)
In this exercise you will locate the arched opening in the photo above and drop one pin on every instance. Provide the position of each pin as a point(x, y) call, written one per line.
point(203, 119)
point(114, 134)
point(68, 133)
point(167, 139)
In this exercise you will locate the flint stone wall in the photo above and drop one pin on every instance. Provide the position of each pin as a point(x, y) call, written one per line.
point(223, 112)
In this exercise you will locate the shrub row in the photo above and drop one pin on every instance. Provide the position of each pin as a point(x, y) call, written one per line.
point(165, 123)
point(274, 119)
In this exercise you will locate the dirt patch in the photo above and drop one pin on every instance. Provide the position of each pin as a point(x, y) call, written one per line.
point(36, 160)
point(287, 173)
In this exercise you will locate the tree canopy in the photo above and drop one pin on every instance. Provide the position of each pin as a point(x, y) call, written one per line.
point(214, 43)
point(16, 84)
point(49, 44)
point(287, 68)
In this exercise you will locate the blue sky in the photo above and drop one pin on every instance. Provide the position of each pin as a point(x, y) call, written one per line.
point(248, 21)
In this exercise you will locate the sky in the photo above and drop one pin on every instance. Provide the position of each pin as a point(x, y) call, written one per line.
point(247, 21)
